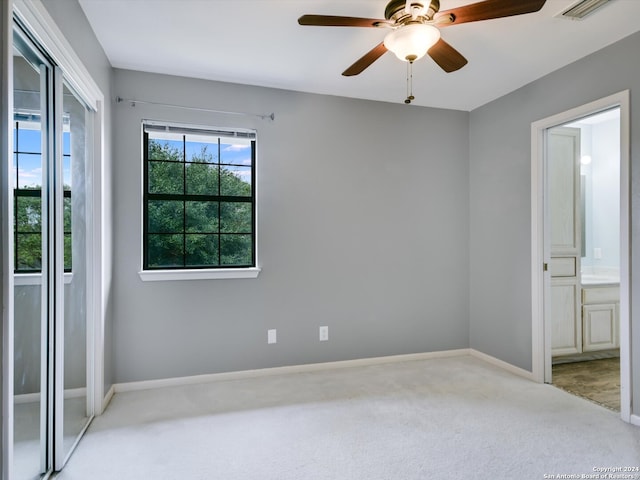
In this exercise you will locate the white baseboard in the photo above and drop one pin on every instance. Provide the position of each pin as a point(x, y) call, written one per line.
point(263, 372)
point(107, 398)
point(314, 367)
point(502, 364)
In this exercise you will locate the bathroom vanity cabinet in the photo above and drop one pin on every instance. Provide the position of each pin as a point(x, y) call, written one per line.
point(600, 317)
point(584, 319)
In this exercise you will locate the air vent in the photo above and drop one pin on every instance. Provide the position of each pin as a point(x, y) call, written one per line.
point(583, 8)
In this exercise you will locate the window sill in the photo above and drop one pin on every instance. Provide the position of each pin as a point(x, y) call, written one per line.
point(228, 273)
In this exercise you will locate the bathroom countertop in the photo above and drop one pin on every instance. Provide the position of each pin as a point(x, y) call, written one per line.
point(590, 279)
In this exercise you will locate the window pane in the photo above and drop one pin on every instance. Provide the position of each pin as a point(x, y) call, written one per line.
point(28, 140)
point(236, 152)
point(67, 252)
point(29, 170)
point(201, 148)
point(28, 214)
point(186, 184)
point(235, 250)
point(202, 250)
point(14, 176)
point(202, 217)
point(66, 172)
point(235, 181)
point(165, 251)
point(169, 150)
point(165, 216)
point(235, 217)
point(66, 143)
point(166, 177)
point(28, 251)
point(67, 214)
point(202, 179)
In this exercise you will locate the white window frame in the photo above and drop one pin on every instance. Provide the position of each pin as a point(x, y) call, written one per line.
point(205, 273)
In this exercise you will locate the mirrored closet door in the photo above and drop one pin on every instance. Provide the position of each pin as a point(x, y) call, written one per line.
point(51, 194)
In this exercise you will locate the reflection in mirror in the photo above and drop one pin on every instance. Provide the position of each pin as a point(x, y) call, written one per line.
point(76, 415)
point(30, 326)
point(599, 195)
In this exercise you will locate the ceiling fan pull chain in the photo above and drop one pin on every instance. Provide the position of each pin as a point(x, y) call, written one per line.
point(409, 83)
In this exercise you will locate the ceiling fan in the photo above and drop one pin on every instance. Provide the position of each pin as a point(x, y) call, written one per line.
point(415, 28)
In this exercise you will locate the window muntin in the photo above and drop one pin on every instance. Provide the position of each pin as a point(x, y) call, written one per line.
point(27, 193)
point(199, 198)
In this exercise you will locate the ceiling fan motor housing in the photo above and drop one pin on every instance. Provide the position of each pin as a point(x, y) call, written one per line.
point(395, 9)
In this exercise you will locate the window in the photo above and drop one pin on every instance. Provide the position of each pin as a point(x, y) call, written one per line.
point(199, 198)
point(27, 193)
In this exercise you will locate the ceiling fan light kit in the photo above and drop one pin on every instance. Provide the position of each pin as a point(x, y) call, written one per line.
point(412, 42)
point(416, 29)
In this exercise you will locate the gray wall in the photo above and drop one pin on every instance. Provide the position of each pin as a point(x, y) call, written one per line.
point(500, 186)
point(363, 226)
point(74, 25)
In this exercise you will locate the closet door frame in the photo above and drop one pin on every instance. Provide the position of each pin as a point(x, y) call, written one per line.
point(33, 16)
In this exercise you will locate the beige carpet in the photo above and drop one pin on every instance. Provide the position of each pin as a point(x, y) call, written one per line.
point(453, 418)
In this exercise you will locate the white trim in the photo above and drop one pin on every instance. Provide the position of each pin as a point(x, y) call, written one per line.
point(624, 329)
point(537, 253)
point(6, 229)
point(541, 344)
point(100, 229)
point(223, 273)
point(635, 420)
point(55, 245)
point(34, 14)
point(502, 364)
point(107, 399)
point(266, 372)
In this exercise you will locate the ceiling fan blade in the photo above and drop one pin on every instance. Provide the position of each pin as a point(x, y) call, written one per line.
point(446, 56)
point(366, 60)
point(337, 21)
point(490, 9)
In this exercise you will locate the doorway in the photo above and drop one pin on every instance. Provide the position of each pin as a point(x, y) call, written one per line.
point(583, 179)
point(580, 282)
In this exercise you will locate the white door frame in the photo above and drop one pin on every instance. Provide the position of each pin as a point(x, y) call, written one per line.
point(541, 348)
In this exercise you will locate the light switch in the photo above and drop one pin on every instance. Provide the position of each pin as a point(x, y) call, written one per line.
point(271, 336)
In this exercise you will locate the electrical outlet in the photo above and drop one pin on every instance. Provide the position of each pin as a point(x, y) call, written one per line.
point(597, 253)
point(271, 336)
point(324, 334)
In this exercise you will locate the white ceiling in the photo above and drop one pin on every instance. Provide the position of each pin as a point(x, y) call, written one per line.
point(259, 42)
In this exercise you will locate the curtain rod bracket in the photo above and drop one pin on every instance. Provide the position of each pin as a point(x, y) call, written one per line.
point(133, 102)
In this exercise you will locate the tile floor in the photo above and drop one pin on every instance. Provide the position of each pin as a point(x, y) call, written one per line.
point(595, 380)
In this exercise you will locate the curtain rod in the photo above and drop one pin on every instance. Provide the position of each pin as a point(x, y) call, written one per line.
point(133, 102)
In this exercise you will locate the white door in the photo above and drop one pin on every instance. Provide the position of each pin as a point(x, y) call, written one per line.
point(563, 177)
